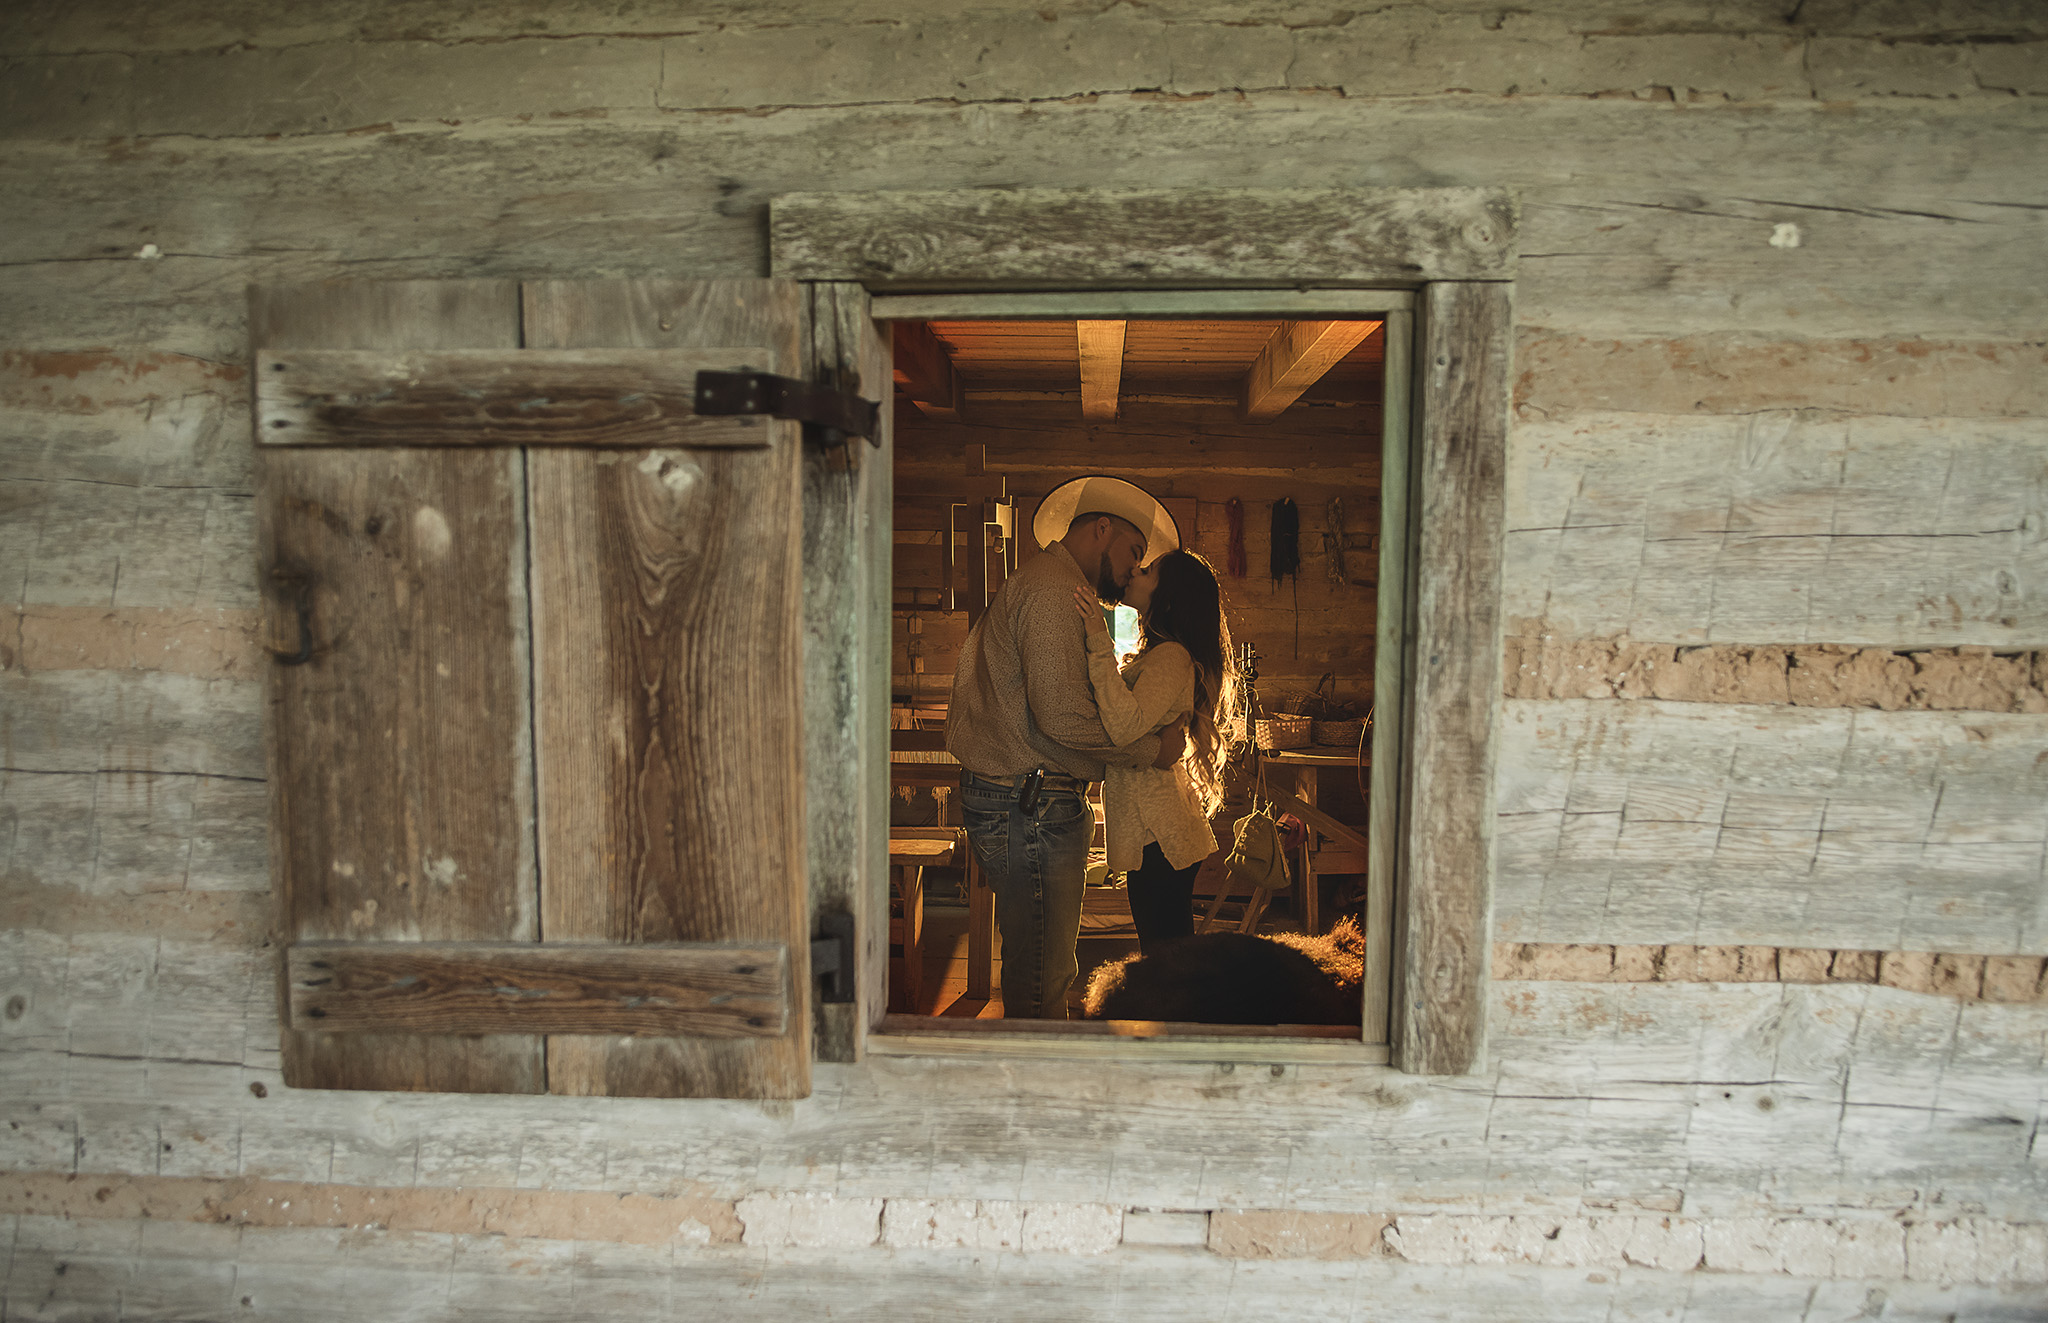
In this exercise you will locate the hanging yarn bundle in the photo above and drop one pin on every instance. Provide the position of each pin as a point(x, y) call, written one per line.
point(1334, 517)
point(1233, 556)
point(1287, 555)
point(1286, 539)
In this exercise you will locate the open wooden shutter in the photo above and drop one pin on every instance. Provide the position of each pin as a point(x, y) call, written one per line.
point(535, 722)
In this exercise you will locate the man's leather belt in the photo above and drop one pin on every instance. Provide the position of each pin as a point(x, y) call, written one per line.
point(1051, 781)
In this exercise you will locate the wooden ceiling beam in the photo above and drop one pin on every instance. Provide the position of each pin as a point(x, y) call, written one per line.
point(1102, 366)
point(1293, 360)
point(924, 370)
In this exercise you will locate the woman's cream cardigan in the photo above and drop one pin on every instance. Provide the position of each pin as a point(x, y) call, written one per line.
point(1143, 804)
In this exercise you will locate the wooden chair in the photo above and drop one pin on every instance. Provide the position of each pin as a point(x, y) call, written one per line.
point(981, 931)
point(1332, 847)
point(1254, 905)
point(911, 851)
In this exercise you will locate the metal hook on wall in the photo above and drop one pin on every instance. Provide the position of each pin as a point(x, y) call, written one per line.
point(302, 607)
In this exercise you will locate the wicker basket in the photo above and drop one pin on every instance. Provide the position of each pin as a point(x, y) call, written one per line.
point(1282, 732)
point(1342, 733)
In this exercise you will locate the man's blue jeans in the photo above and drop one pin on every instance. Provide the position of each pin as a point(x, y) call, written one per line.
point(1037, 864)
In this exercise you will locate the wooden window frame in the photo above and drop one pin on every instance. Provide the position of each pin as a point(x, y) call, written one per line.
point(1449, 254)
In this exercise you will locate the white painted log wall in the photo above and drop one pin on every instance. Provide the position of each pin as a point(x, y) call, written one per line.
point(1862, 410)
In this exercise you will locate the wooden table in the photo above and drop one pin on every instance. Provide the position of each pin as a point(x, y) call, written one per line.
point(936, 773)
point(1294, 776)
point(911, 851)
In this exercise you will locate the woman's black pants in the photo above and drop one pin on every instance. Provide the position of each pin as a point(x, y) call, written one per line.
point(1162, 899)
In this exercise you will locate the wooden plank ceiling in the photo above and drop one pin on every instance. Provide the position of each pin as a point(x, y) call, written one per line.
point(1257, 368)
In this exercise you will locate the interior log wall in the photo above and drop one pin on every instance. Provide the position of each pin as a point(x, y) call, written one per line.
point(1196, 458)
point(1780, 348)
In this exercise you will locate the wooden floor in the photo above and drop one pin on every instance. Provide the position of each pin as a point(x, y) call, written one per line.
point(945, 963)
point(945, 968)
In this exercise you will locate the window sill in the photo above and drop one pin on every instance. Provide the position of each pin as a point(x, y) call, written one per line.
point(1123, 1041)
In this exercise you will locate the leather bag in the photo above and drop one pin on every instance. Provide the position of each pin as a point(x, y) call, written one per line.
point(1258, 857)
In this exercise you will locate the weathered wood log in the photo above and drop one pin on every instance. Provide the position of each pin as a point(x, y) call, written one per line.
point(312, 77)
point(143, 722)
point(1780, 527)
point(1854, 1071)
point(1655, 822)
point(1873, 375)
point(98, 543)
point(1046, 238)
point(1634, 246)
point(131, 833)
point(136, 416)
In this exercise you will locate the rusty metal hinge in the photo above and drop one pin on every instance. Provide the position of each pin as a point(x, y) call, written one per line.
point(832, 957)
point(829, 412)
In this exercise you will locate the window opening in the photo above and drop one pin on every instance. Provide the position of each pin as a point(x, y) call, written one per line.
point(1201, 412)
point(1124, 628)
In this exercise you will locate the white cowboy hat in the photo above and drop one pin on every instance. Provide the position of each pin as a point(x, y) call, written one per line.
point(1101, 494)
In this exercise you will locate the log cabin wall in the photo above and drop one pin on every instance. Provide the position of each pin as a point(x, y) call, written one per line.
point(1767, 1022)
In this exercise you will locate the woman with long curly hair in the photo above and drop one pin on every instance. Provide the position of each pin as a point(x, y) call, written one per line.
point(1156, 820)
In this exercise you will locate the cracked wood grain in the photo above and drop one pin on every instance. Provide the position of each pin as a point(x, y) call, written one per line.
point(1784, 526)
point(71, 543)
point(105, 26)
point(2000, 978)
point(1813, 675)
point(1558, 376)
point(1713, 824)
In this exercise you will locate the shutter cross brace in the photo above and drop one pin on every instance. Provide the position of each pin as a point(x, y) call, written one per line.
point(830, 414)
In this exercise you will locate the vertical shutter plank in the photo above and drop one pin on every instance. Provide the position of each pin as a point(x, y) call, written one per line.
point(666, 613)
point(847, 581)
point(400, 753)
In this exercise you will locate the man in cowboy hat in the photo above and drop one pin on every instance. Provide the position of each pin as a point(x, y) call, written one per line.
point(1024, 725)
